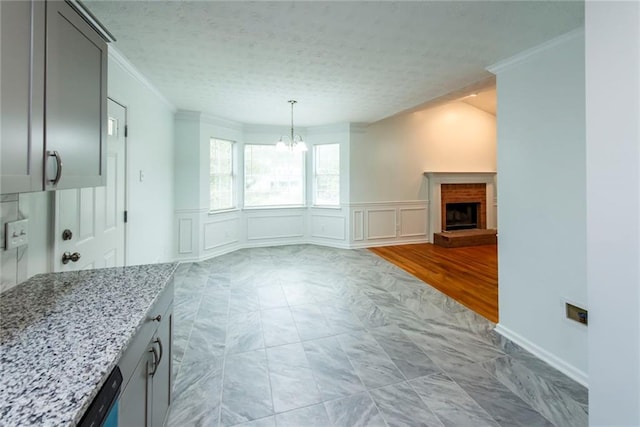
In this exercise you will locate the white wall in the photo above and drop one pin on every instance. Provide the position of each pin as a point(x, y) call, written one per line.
point(388, 161)
point(542, 194)
point(613, 202)
point(149, 149)
point(388, 191)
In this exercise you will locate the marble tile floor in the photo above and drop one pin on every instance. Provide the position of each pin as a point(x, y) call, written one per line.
point(306, 336)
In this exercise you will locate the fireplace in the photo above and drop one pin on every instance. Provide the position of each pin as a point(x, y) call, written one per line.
point(461, 216)
point(464, 206)
point(461, 187)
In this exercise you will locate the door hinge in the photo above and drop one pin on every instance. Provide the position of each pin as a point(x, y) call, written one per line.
point(126, 131)
point(125, 216)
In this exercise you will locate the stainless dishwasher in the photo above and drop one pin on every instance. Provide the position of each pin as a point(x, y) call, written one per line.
point(103, 411)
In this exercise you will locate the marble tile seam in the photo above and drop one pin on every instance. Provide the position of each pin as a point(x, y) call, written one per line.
point(538, 392)
point(335, 332)
point(446, 375)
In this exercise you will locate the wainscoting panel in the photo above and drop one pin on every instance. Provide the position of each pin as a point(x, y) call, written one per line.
point(201, 235)
point(185, 236)
point(282, 226)
point(358, 225)
point(413, 222)
point(327, 226)
point(389, 223)
point(381, 223)
point(220, 232)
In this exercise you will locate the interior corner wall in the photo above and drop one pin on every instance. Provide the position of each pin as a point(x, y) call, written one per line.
point(150, 167)
point(612, 46)
point(542, 202)
point(389, 159)
point(186, 157)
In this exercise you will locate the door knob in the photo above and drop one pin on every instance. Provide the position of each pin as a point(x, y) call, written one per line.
point(68, 256)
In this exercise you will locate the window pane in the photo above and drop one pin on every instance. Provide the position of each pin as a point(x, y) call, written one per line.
point(221, 157)
point(327, 190)
point(273, 178)
point(327, 174)
point(221, 174)
point(221, 192)
point(328, 159)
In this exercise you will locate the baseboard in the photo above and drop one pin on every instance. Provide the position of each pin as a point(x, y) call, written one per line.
point(542, 354)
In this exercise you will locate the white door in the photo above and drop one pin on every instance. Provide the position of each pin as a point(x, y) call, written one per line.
point(90, 222)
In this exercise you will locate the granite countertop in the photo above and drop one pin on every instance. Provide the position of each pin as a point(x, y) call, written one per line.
point(61, 334)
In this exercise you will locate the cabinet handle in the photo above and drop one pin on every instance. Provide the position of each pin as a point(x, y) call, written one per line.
point(157, 318)
point(155, 361)
point(161, 350)
point(55, 154)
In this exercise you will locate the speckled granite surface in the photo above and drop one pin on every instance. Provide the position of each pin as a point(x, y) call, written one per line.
point(61, 334)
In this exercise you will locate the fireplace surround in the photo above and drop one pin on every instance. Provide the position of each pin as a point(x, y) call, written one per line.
point(461, 187)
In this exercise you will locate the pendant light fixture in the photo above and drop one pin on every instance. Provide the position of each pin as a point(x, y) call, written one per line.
point(294, 142)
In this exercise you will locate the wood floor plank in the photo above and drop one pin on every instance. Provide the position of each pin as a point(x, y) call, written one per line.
point(469, 275)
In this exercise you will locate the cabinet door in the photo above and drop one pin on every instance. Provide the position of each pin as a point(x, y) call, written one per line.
point(21, 95)
point(162, 377)
point(75, 100)
point(134, 405)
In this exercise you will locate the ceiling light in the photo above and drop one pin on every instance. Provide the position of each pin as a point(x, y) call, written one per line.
point(293, 142)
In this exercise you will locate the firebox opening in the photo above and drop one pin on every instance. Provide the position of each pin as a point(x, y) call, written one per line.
point(461, 216)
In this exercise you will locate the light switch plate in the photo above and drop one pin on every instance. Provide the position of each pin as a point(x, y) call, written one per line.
point(16, 234)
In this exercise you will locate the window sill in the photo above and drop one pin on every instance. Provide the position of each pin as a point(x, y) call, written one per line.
point(222, 211)
point(266, 208)
point(330, 207)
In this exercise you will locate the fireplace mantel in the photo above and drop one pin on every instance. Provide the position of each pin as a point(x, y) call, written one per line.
point(435, 181)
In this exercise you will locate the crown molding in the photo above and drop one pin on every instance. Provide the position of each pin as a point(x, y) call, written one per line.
point(222, 122)
point(188, 115)
point(523, 56)
point(122, 60)
point(330, 128)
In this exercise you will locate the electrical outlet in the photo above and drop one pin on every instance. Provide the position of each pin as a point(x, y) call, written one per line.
point(16, 234)
point(578, 314)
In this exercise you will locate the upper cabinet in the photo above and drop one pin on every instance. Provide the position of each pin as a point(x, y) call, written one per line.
point(75, 101)
point(21, 96)
point(54, 98)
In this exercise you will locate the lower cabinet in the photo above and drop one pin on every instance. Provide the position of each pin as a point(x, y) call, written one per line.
point(161, 378)
point(145, 398)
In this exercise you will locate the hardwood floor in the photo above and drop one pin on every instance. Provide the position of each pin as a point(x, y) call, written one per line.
point(468, 275)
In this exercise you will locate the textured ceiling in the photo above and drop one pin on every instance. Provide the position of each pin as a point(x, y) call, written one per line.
point(342, 61)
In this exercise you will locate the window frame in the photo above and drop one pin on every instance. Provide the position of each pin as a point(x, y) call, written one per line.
point(315, 176)
point(232, 174)
point(303, 176)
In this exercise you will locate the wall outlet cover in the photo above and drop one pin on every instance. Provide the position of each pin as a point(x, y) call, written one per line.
point(579, 314)
point(16, 234)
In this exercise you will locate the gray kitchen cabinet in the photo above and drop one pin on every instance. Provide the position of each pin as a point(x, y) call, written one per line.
point(161, 380)
point(75, 100)
point(133, 406)
point(146, 369)
point(21, 96)
point(54, 72)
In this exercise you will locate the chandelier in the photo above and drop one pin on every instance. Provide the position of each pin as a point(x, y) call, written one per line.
point(294, 142)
